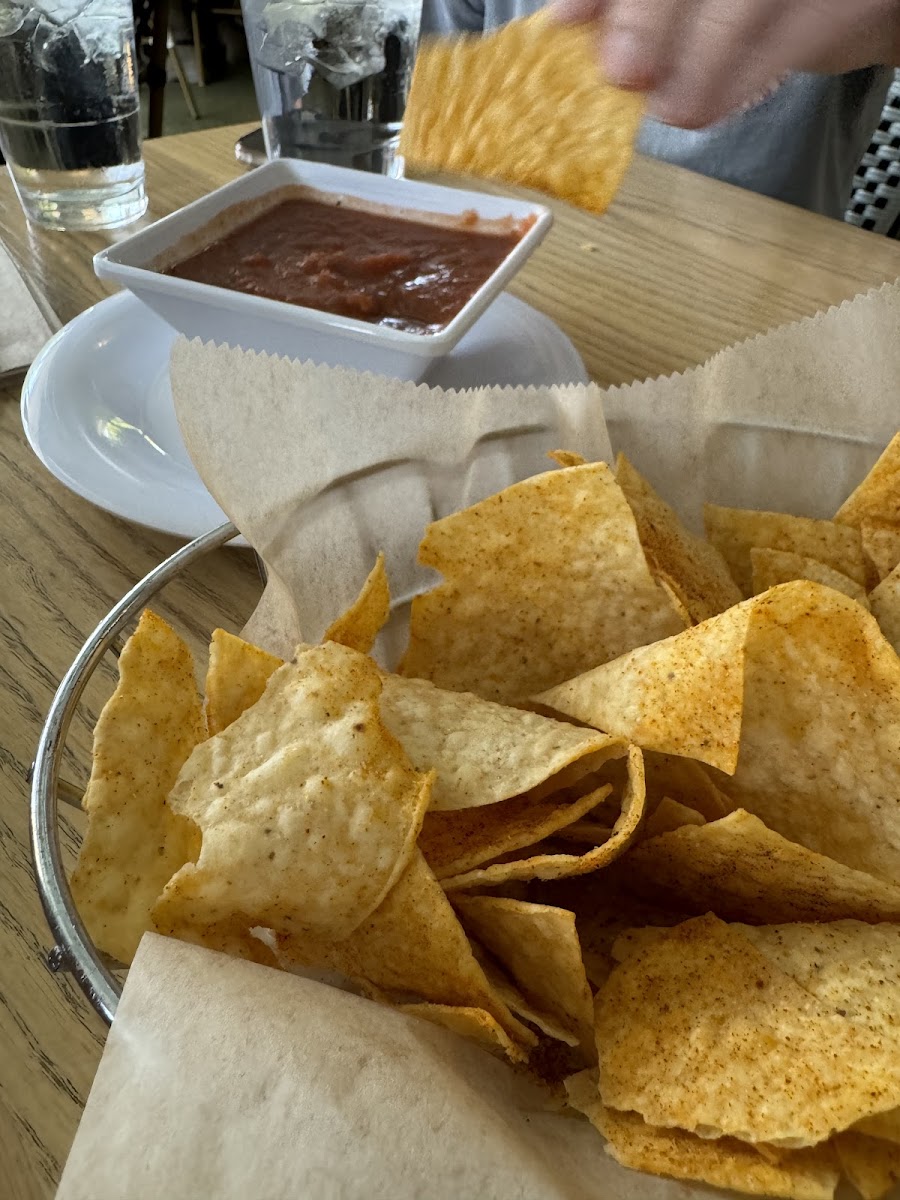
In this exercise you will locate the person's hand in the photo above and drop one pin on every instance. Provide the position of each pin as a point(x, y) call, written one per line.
point(702, 59)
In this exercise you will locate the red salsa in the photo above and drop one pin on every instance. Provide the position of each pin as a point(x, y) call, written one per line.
point(369, 265)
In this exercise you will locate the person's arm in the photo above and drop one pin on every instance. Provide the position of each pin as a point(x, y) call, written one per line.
point(702, 59)
point(453, 16)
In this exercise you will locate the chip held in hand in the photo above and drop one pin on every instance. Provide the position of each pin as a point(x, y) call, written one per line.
point(525, 104)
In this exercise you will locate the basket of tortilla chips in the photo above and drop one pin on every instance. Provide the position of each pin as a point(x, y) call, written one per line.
point(626, 812)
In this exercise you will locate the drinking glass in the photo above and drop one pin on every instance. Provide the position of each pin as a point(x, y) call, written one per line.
point(69, 111)
point(332, 77)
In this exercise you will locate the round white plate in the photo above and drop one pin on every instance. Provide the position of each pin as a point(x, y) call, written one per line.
point(97, 408)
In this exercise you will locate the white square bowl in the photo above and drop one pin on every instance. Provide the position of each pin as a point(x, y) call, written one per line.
point(256, 323)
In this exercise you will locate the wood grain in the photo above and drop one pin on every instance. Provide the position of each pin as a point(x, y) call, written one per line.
point(680, 267)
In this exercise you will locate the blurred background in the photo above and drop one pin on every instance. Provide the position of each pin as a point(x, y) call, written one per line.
point(195, 70)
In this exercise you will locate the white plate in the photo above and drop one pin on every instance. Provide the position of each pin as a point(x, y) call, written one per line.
point(97, 408)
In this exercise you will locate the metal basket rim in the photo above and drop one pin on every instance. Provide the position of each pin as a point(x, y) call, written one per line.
point(74, 951)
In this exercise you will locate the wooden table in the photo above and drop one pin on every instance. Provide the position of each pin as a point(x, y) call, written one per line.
point(679, 268)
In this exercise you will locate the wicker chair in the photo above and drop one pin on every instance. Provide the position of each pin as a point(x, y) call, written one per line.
point(875, 203)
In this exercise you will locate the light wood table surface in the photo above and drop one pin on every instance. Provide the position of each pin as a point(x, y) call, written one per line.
point(680, 267)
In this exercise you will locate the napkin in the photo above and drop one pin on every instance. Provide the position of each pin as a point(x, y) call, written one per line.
point(228, 1081)
point(322, 468)
point(24, 325)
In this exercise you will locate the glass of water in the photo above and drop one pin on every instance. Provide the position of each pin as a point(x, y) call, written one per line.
point(332, 77)
point(69, 113)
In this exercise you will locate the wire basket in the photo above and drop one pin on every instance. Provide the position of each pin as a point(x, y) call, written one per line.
point(74, 951)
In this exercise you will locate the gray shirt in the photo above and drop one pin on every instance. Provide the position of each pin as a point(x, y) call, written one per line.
point(802, 144)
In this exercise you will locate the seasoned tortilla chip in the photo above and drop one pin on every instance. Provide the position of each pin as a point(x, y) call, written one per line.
point(540, 862)
point(361, 624)
point(540, 582)
point(472, 1023)
point(681, 696)
point(871, 1165)
point(802, 683)
point(681, 1026)
point(742, 871)
point(693, 568)
point(175, 915)
point(482, 752)
point(134, 842)
point(884, 1125)
point(517, 1003)
point(685, 781)
point(669, 815)
point(819, 760)
point(771, 567)
point(309, 809)
point(538, 947)
point(878, 496)
point(885, 604)
point(851, 967)
point(485, 752)
point(587, 832)
point(881, 546)
point(524, 104)
point(235, 679)
point(412, 945)
point(567, 458)
point(735, 531)
point(725, 1162)
point(454, 842)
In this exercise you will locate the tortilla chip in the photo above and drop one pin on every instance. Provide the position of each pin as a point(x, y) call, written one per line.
point(482, 752)
point(587, 832)
point(567, 458)
point(540, 862)
point(819, 759)
point(735, 531)
point(472, 1023)
point(885, 605)
point(235, 678)
point(878, 496)
point(680, 696)
point(871, 1165)
point(695, 570)
point(742, 871)
point(725, 1162)
point(412, 945)
point(134, 843)
point(517, 1003)
point(668, 816)
point(524, 104)
point(771, 567)
point(881, 546)
point(685, 781)
point(698, 1029)
point(851, 967)
point(175, 915)
point(801, 681)
point(542, 581)
point(883, 1125)
point(485, 752)
point(604, 910)
point(309, 808)
point(361, 624)
point(454, 842)
point(538, 947)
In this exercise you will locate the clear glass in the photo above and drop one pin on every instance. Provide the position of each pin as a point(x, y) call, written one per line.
point(69, 111)
point(332, 77)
